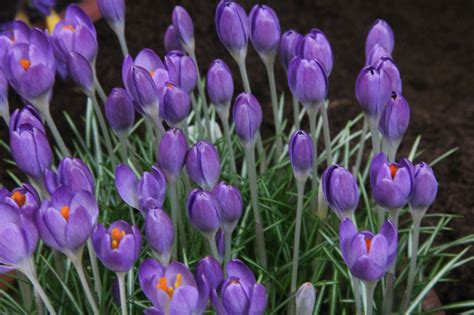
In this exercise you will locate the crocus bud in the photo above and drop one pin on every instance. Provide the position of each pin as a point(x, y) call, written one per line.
point(73, 173)
point(44, 6)
point(425, 188)
point(264, 30)
point(175, 104)
point(182, 70)
point(373, 89)
point(305, 299)
point(247, 114)
point(183, 25)
point(119, 111)
point(340, 191)
point(287, 48)
point(368, 256)
point(159, 233)
point(210, 268)
point(81, 72)
point(203, 164)
point(220, 85)
point(376, 53)
point(394, 120)
point(203, 212)
point(386, 64)
point(315, 45)
point(171, 40)
point(24, 199)
point(220, 242)
point(301, 151)
point(173, 149)
point(380, 33)
point(118, 247)
point(232, 26)
point(113, 11)
point(66, 221)
point(144, 92)
point(392, 183)
point(308, 81)
point(230, 205)
point(28, 142)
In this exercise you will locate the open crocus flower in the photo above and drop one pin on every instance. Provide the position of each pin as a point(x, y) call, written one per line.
point(73, 173)
point(171, 289)
point(368, 256)
point(24, 198)
point(119, 246)
point(66, 221)
point(149, 191)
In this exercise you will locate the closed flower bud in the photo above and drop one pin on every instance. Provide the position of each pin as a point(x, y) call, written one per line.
point(301, 151)
point(395, 118)
point(340, 191)
point(264, 30)
point(380, 33)
point(373, 89)
point(183, 25)
point(81, 72)
point(386, 64)
point(220, 85)
point(425, 188)
point(308, 81)
point(181, 70)
point(305, 299)
point(113, 11)
point(203, 164)
point(287, 48)
point(232, 26)
point(24, 199)
point(209, 268)
point(173, 149)
point(159, 233)
point(315, 45)
point(203, 212)
point(119, 111)
point(171, 40)
point(73, 173)
point(376, 53)
point(143, 90)
point(230, 205)
point(247, 115)
point(175, 104)
point(118, 247)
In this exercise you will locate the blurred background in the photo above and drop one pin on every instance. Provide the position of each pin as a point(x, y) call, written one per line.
point(434, 50)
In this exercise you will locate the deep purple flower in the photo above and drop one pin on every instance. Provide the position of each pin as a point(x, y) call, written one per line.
point(171, 40)
point(305, 299)
point(143, 194)
point(118, 247)
point(160, 234)
point(232, 26)
point(373, 89)
point(380, 33)
point(28, 142)
point(24, 199)
point(340, 191)
point(308, 81)
point(183, 25)
point(287, 48)
point(148, 60)
point(220, 85)
point(376, 53)
point(73, 173)
point(264, 30)
point(203, 164)
point(182, 70)
point(173, 149)
point(113, 11)
point(44, 6)
point(209, 268)
point(247, 114)
point(17, 32)
point(301, 151)
point(67, 219)
point(386, 64)
point(80, 71)
point(392, 183)
point(175, 104)
point(119, 111)
point(143, 91)
point(425, 187)
point(203, 212)
point(230, 204)
point(368, 256)
point(395, 118)
point(315, 45)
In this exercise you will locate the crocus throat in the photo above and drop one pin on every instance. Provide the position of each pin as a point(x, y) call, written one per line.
point(19, 198)
point(152, 73)
point(65, 212)
point(169, 86)
point(368, 242)
point(163, 285)
point(117, 235)
point(69, 28)
point(393, 170)
point(25, 64)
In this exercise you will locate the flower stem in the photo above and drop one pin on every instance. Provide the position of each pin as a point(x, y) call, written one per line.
point(252, 178)
point(202, 96)
point(103, 127)
point(95, 269)
point(414, 253)
point(296, 113)
point(356, 288)
point(228, 247)
point(197, 113)
point(296, 243)
point(5, 111)
point(25, 290)
point(360, 152)
point(389, 287)
point(123, 138)
point(98, 86)
point(212, 244)
point(327, 136)
point(369, 291)
point(312, 113)
point(123, 42)
point(375, 133)
point(269, 63)
point(224, 116)
point(243, 73)
point(123, 293)
point(54, 130)
point(176, 218)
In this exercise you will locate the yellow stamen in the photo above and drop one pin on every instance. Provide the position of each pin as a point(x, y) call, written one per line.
point(65, 212)
point(25, 64)
point(368, 242)
point(393, 170)
point(163, 285)
point(117, 235)
point(19, 198)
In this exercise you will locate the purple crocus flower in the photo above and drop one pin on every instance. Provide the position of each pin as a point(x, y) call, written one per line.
point(380, 33)
point(173, 149)
point(368, 256)
point(203, 212)
point(184, 28)
point(73, 173)
point(220, 85)
point(425, 188)
point(376, 53)
point(315, 45)
point(203, 164)
point(232, 26)
point(287, 48)
point(160, 234)
point(210, 269)
point(118, 247)
point(151, 63)
point(239, 293)
point(301, 151)
point(182, 70)
point(230, 204)
point(28, 142)
point(15, 33)
point(305, 299)
point(386, 64)
point(149, 191)
point(174, 104)
point(44, 6)
point(171, 289)
point(24, 199)
point(171, 40)
point(80, 70)
point(119, 111)
point(392, 183)
point(113, 11)
point(247, 114)
point(264, 30)
point(394, 121)
point(67, 219)
point(340, 191)
point(373, 88)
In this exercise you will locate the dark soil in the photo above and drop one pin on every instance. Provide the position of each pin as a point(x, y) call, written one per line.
point(434, 51)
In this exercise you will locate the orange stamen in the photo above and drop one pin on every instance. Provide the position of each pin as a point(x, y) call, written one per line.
point(25, 64)
point(163, 285)
point(169, 85)
point(117, 235)
point(70, 28)
point(393, 170)
point(65, 212)
point(152, 73)
point(368, 242)
point(19, 198)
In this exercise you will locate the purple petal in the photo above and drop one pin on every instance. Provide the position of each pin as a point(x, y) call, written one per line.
point(126, 184)
point(78, 228)
point(184, 301)
point(259, 300)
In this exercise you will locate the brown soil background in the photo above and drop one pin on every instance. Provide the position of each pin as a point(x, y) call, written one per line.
point(434, 51)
